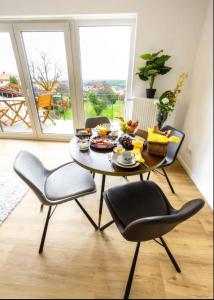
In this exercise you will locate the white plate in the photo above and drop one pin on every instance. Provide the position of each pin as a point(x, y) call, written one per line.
point(120, 161)
point(114, 160)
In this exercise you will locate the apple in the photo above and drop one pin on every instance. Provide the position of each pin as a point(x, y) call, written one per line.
point(134, 124)
point(130, 129)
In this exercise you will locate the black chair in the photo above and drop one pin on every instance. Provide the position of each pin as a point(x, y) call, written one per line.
point(172, 152)
point(94, 121)
point(53, 187)
point(141, 212)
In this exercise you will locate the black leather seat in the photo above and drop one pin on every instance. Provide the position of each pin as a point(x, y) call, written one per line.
point(142, 212)
point(172, 152)
point(53, 187)
point(94, 121)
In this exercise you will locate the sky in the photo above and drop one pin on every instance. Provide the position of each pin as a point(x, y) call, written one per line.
point(104, 51)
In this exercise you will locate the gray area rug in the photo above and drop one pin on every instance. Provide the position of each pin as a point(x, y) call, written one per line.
point(12, 191)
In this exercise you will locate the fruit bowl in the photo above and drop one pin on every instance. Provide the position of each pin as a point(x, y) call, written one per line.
point(128, 126)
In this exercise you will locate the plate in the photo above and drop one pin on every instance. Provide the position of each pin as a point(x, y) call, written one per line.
point(105, 143)
point(114, 160)
point(120, 161)
point(83, 135)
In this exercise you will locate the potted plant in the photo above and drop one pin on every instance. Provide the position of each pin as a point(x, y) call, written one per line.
point(167, 101)
point(154, 66)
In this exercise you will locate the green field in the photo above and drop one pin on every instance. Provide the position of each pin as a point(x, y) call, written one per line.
point(112, 111)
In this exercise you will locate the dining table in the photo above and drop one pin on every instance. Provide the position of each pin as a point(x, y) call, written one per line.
point(100, 161)
point(16, 110)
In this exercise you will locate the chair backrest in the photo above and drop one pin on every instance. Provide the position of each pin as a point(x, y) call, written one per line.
point(32, 171)
point(44, 101)
point(93, 122)
point(173, 148)
point(153, 227)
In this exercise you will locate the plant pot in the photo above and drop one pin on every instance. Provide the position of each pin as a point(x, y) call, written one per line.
point(150, 93)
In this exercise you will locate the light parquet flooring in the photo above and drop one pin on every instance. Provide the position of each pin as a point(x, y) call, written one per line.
point(80, 263)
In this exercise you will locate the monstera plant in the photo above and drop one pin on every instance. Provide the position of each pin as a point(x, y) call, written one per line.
point(154, 66)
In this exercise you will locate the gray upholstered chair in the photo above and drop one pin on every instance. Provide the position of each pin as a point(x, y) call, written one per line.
point(94, 121)
point(142, 212)
point(53, 187)
point(172, 152)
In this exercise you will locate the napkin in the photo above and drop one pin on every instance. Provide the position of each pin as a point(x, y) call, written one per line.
point(159, 138)
point(137, 154)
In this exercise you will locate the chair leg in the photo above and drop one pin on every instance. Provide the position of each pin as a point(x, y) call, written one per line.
point(41, 207)
point(101, 200)
point(87, 215)
point(45, 230)
point(148, 175)
point(141, 177)
point(169, 183)
point(131, 274)
point(93, 174)
point(106, 225)
point(170, 255)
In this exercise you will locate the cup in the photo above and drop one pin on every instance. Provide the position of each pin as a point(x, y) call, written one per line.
point(127, 156)
point(84, 145)
point(103, 131)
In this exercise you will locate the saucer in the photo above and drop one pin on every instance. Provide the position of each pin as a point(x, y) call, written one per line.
point(126, 163)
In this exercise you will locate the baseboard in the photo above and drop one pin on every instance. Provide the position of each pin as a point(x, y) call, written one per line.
point(194, 178)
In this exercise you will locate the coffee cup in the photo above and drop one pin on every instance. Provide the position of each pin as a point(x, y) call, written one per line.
point(127, 156)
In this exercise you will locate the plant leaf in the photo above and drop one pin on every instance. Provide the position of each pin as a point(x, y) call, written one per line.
point(146, 56)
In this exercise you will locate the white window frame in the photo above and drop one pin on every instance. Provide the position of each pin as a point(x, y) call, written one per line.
point(5, 27)
point(48, 26)
point(70, 27)
point(76, 51)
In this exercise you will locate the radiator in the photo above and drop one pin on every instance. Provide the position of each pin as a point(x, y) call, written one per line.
point(143, 110)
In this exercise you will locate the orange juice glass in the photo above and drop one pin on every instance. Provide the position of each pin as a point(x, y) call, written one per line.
point(103, 131)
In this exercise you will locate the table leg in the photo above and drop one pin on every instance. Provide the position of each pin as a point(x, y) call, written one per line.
point(101, 199)
point(141, 177)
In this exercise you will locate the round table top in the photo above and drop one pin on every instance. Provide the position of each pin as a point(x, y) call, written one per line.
point(98, 161)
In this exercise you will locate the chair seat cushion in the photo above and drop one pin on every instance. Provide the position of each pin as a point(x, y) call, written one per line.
point(69, 181)
point(136, 200)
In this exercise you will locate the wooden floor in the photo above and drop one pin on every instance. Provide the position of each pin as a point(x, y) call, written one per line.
point(79, 262)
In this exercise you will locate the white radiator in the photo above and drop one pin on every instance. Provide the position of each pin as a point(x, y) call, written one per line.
point(143, 110)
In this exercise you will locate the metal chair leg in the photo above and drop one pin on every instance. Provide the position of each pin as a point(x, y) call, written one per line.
point(101, 200)
point(45, 230)
point(41, 207)
point(169, 183)
point(141, 177)
point(170, 255)
point(106, 225)
point(148, 176)
point(93, 174)
point(87, 215)
point(131, 274)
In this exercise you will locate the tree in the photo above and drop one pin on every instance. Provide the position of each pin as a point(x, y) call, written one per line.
point(45, 73)
point(98, 104)
point(13, 80)
point(108, 95)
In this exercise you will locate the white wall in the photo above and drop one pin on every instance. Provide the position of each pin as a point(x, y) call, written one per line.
point(197, 151)
point(172, 25)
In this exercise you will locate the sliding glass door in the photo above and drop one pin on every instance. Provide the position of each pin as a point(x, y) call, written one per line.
point(54, 75)
point(45, 49)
